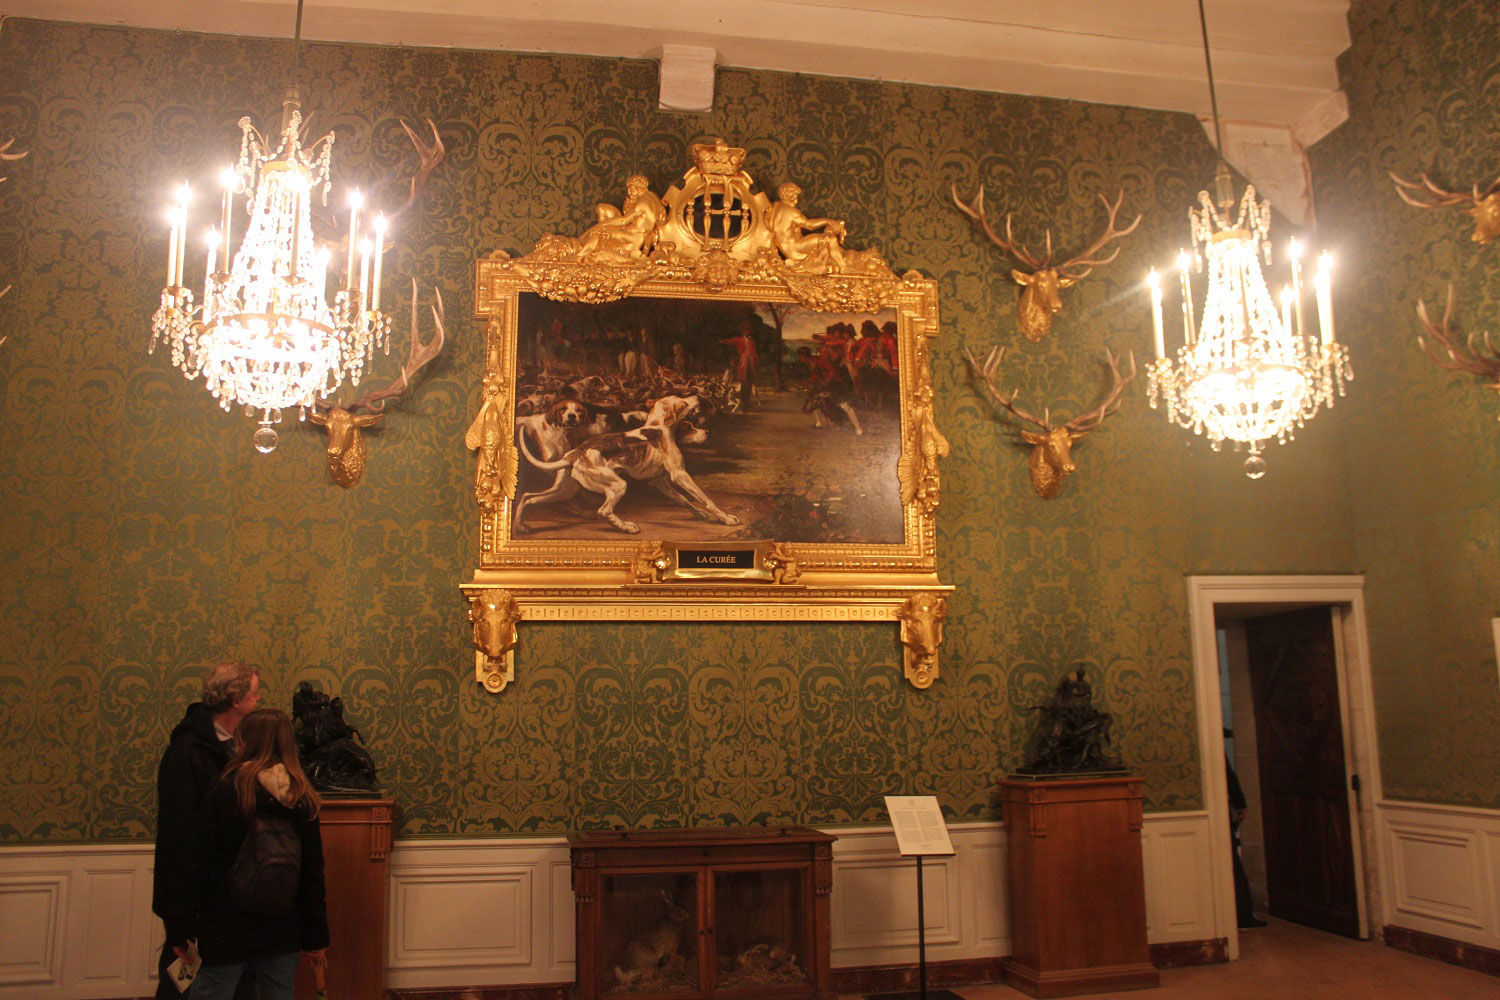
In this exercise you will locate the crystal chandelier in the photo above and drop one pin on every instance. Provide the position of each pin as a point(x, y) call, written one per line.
point(1249, 373)
point(266, 334)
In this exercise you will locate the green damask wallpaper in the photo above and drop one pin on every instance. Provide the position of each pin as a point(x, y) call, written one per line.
point(1422, 445)
point(141, 536)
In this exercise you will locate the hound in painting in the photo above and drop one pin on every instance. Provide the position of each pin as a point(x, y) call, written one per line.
point(606, 463)
point(564, 425)
point(552, 432)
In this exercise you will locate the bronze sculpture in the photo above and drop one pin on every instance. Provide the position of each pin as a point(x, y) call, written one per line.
point(332, 751)
point(1072, 736)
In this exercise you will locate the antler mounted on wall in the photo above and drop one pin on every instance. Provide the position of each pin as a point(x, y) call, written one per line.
point(1466, 357)
point(1043, 280)
point(1051, 448)
point(346, 444)
point(429, 155)
point(1484, 207)
point(6, 154)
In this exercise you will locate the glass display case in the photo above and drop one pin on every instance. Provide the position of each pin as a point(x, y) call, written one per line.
point(699, 913)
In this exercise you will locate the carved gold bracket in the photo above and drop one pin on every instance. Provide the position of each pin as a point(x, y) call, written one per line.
point(919, 613)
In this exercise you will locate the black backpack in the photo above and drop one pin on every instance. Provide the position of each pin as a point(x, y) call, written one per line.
point(268, 869)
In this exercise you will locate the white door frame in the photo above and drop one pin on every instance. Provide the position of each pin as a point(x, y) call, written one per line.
point(1357, 708)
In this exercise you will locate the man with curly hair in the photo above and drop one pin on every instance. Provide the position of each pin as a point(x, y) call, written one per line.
point(200, 746)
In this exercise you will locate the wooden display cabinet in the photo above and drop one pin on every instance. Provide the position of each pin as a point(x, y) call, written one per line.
point(680, 914)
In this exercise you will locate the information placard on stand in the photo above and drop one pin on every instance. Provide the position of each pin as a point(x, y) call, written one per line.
point(917, 821)
point(921, 832)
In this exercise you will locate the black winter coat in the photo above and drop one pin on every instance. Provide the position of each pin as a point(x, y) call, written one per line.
point(227, 936)
point(195, 757)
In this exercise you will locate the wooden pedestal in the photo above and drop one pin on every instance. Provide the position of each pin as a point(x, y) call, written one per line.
point(356, 868)
point(1077, 891)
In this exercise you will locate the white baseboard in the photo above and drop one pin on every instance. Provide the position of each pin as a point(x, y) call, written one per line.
point(500, 911)
point(1443, 872)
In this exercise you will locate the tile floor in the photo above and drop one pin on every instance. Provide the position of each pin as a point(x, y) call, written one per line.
point(1286, 961)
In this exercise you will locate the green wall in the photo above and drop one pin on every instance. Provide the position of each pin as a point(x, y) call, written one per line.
point(1422, 446)
point(141, 536)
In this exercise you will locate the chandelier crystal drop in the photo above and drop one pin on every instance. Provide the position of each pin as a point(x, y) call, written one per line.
point(1249, 372)
point(266, 334)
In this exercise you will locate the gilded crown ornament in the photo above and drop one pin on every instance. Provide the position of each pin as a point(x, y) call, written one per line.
point(712, 227)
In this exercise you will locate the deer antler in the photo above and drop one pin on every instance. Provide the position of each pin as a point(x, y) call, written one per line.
point(419, 356)
point(1484, 205)
point(5, 154)
point(1085, 422)
point(975, 210)
point(985, 375)
point(429, 155)
point(1086, 259)
point(1426, 185)
point(1461, 358)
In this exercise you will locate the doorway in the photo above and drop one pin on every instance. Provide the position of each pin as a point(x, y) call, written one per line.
point(1295, 691)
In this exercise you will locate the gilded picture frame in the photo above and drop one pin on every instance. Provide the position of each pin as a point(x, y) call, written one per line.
point(630, 435)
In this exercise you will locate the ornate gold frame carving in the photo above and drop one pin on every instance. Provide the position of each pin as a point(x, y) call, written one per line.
point(710, 237)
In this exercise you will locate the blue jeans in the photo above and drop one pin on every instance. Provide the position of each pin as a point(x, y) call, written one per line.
point(274, 977)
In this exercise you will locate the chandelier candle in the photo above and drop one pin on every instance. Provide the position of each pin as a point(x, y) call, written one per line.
point(212, 239)
point(356, 202)
point(380, 225)
point(230, 180)
point(1323, 282)
point(1154, 281)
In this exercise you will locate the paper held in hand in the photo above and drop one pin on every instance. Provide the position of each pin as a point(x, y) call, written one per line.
point(917, 821)
point(183, 971)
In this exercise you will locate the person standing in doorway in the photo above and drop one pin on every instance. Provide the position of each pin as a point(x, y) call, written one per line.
point(196, 755)
point(1244, 903)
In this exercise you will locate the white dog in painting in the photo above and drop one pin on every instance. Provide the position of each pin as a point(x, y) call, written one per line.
point(606, 463)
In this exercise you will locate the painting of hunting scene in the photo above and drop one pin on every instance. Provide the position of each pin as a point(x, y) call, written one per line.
point(701, 420)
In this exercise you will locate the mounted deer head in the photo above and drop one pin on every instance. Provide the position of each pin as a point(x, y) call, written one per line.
point(346, 445)
point(1467, 357)
point(1051, 448)
point(1040, 287)
point(1485, 208)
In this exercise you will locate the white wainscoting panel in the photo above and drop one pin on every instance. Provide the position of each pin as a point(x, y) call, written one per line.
point(875, 898)
point(1179, 877)
point(29, 909)
point(78, 926)
point(480, 912)
point(1444, 870)
point(77, 922)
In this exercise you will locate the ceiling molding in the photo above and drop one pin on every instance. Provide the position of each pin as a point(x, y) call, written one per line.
point(1274, 60)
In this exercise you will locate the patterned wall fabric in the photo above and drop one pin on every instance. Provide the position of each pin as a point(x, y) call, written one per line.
point(141, 537)
point(1424, 84)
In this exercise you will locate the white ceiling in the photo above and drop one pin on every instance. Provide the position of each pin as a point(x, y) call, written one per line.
point(1273, 59)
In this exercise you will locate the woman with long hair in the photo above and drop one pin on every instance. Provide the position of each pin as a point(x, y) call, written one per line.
point(259, 867)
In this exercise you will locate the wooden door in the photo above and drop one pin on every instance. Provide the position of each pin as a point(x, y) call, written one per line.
point(1311, 876)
